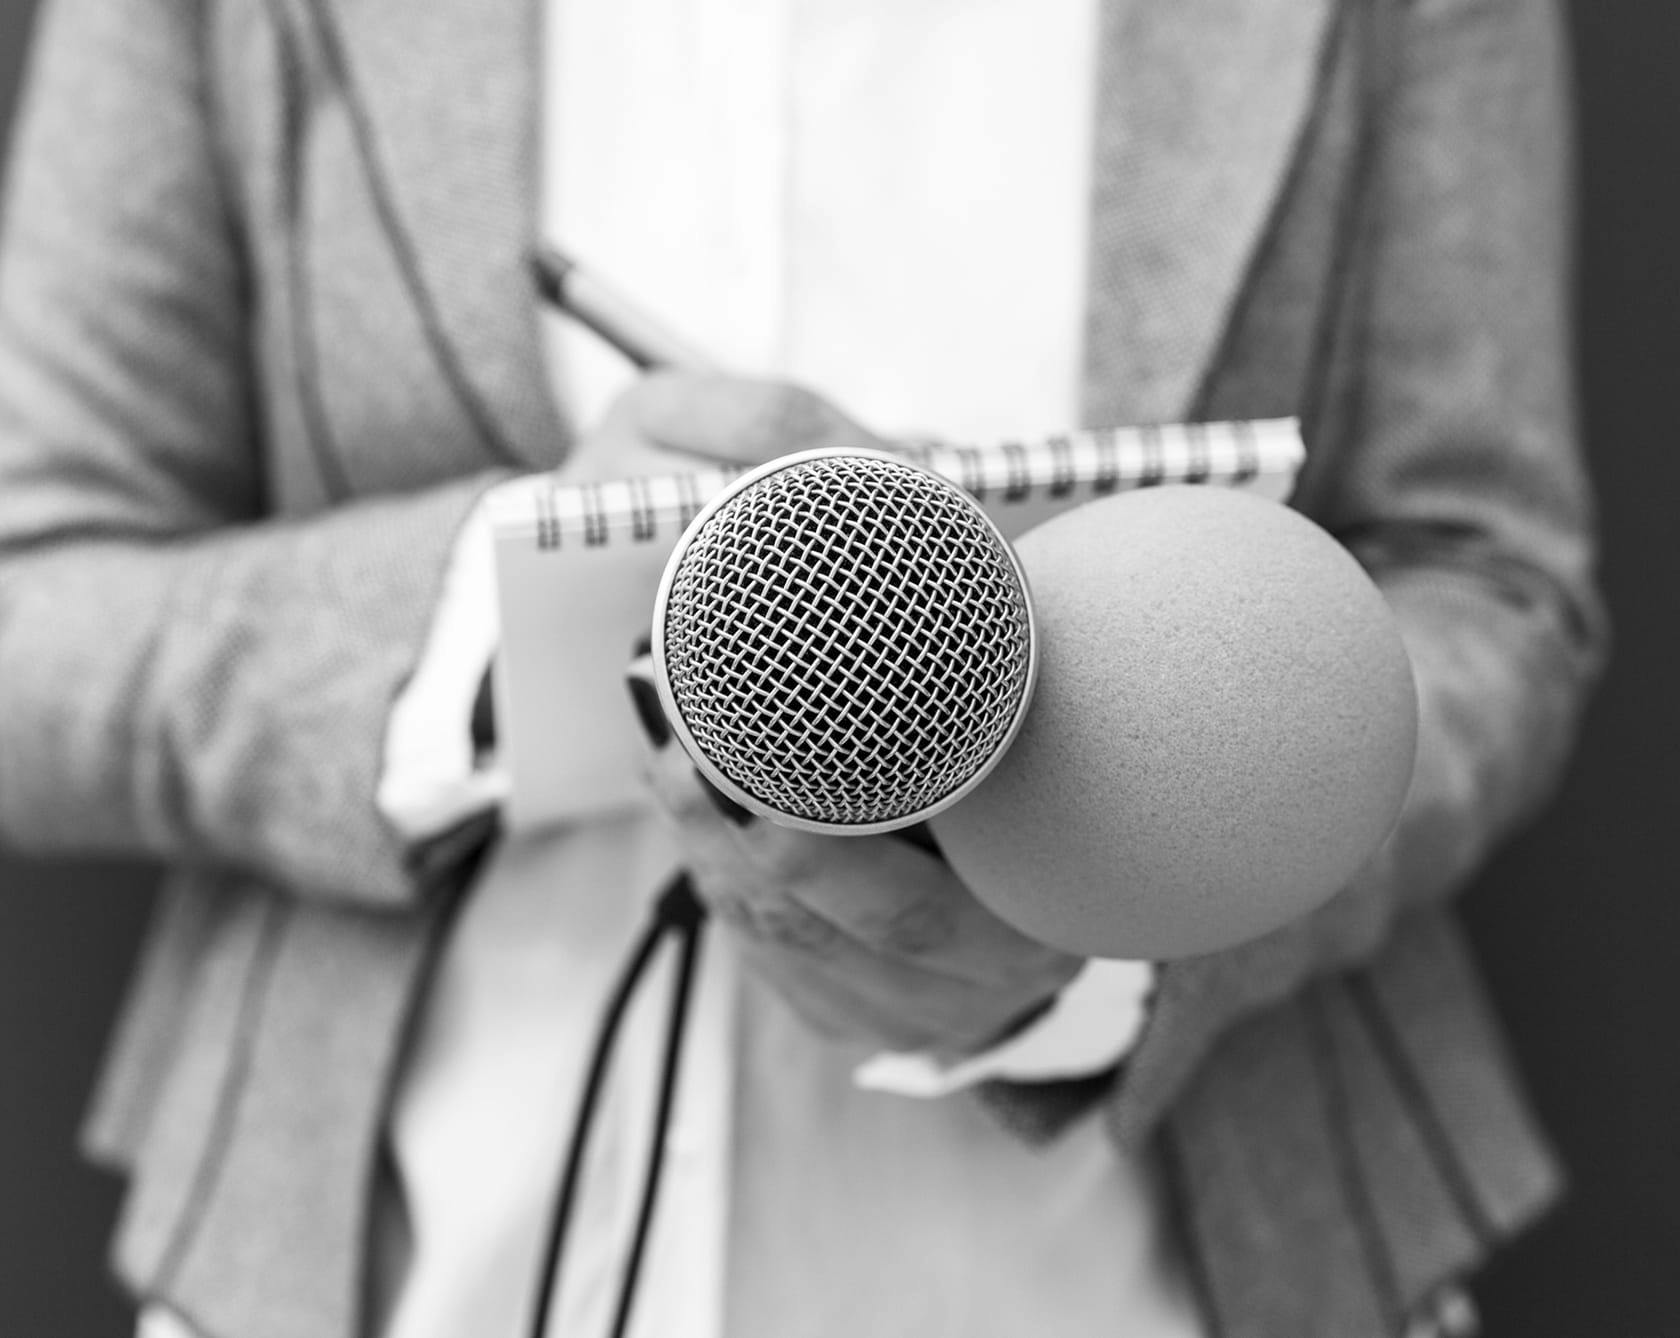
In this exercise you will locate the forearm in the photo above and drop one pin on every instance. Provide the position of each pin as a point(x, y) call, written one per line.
point(221, 698)
point(179, 676)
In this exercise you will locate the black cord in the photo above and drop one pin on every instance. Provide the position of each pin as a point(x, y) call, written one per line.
point(686, 917)
point(678, 911)
point(583, 1121)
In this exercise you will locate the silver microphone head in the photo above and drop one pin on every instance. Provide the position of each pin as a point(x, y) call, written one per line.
point(843, 642)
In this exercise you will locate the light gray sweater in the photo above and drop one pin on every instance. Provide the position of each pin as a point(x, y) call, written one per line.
point(265, 335)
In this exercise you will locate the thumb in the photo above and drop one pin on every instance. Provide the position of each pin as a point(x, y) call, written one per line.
point(742, 421)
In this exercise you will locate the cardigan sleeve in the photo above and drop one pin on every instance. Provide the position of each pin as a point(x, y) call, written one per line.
point(1447, 462)
point(181, 675)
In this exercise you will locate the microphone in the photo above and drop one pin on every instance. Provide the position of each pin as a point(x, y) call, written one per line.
point(843, 642)
point(1224, 734)
point(1223, 730)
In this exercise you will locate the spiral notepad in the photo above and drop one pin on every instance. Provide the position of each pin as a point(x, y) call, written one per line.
point(578, 566)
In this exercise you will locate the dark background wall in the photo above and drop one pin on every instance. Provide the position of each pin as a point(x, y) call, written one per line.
point(1578, 924)
point(67, 936)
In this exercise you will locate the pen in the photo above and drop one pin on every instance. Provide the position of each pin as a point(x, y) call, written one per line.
point(564, 285)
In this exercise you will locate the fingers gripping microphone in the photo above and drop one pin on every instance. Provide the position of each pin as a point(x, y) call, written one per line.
point(843, 642)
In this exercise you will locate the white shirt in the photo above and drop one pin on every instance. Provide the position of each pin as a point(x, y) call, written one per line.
point(886, 200)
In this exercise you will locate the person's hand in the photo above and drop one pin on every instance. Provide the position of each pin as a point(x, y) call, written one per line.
point(868, 938)
point(668, 420)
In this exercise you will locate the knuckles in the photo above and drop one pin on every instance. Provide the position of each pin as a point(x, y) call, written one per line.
point(785, 418)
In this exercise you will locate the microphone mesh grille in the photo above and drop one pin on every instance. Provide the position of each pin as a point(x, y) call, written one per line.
point(847, 639)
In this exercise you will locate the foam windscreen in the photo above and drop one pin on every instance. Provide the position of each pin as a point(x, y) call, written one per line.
point(1223, 733)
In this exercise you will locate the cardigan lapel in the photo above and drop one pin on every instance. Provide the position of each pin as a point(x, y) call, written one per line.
point(446, 97)
point(1200, 107)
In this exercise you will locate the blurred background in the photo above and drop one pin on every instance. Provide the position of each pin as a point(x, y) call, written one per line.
point(1573, 923)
